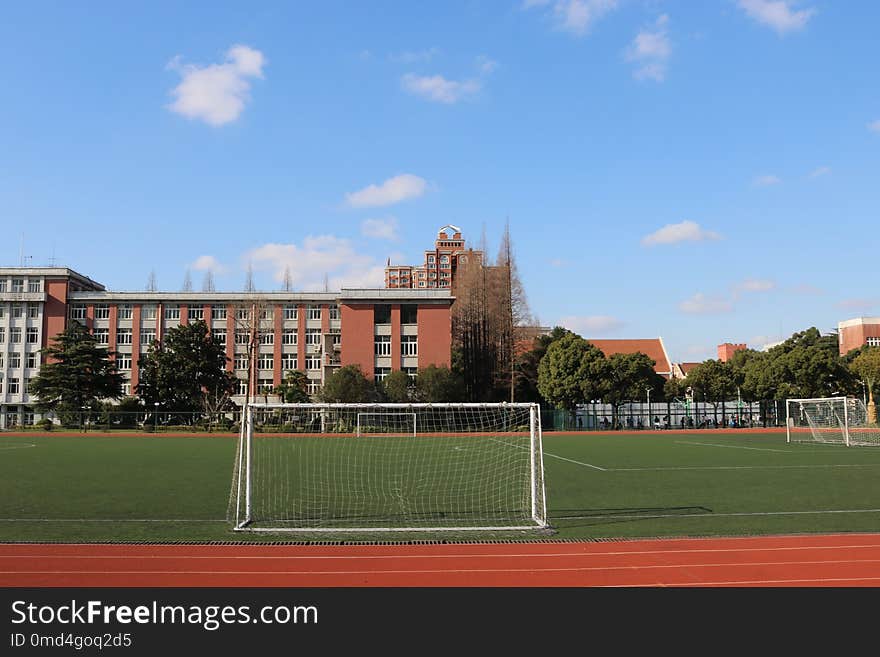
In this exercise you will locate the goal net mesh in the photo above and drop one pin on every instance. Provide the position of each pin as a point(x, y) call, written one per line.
point(389, 467)
point(834, 420)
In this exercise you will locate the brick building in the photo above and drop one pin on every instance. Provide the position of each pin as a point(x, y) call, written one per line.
point(726, 350)
point(440, 266)
point(380, 330)
point(858, 332)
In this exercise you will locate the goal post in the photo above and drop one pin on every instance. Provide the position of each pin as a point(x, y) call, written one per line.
point(834, 420)
point(389, 468)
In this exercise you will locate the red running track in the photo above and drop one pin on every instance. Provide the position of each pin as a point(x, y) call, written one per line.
point(779, 561)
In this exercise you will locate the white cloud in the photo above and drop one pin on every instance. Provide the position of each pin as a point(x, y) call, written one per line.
point(686, 231)
point(208, 263)
point(318, 255)
point(651, 50)
point(394, 190)
point(438, 89)
point(820, 171)
point(766, 180)
point(382, 229)
point(864, 303)
point(217, 93)
point(592, 325)
point(700, 304)
point(874, 126)
point(486, 65)
point(780, 15)
point(756, 285)
point(575, 16)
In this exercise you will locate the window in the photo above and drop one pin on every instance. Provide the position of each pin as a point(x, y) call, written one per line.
point(123, 311)
point(14, 361)
point(444, 260)
point(172, 312)
point(219, 336)
point(265, 362)
point(288, 337)
point(18, 310)
point(35, 285)
point(381, 314)
point(123, 361)
point(123, 336)
point(2, 310)
point(312, 387)
point(15, 335)
point(242, 386)
point(32, 360)
point(409, 313)
point(28, 418)
point(314, 312)
point(102, 311)
point(148, 312)
point(383, 345)
point(265, 386)
point(288, 362)
point(18, 285)
point(382, 372)
point(242, 337)
point(102, 336)
point(409, 345)
point(267, 313)
point(267, 337)
point(313, 336)
point(26, 386)
point(2, 334)
point(33, 335)
point(430, 260)
point(1, 360)
point(336, 339)
point(196, 313)
point(218, 312)
point(313, 363)
point(290, 312)
point(241, 362)
point(12, 387)
point(411, 372)
point(33, 310)
point(147, 336)
point(3, 285)
point(334, 312)
point(242, 313)
point(126, 389)
point(873, 342)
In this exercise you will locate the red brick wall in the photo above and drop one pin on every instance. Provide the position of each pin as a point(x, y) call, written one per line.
point(357, 337)
point(853, 337)
point(435, 336)
point(54, 310)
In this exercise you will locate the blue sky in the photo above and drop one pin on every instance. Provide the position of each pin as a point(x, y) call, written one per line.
point(705, 172)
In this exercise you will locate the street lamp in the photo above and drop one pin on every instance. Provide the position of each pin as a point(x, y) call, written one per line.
point(864, 394)
point(156, 417)
point(650, 415)
point(84, 409)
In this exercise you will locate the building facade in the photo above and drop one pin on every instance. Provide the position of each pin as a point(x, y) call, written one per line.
point(858, 332)
point(440, 266)
point(315, 332)
point(727, 350)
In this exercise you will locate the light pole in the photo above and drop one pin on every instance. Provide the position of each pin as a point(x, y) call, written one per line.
point(156, 417)
point(650, 415)
point(85, 426)
point(864, 394)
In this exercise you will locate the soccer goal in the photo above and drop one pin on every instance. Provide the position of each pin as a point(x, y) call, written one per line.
point(835, 420)
point(389, 468)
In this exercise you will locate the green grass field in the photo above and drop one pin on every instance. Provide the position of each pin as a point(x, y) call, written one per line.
point(165, 488)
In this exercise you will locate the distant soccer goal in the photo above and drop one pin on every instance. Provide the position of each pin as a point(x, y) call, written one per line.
point(834, 420)
point(389, 467)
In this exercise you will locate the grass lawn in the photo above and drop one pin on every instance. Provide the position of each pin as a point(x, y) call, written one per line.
point(173, 488)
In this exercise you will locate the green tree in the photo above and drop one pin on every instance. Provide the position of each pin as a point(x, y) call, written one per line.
point(627, 378)
point(437, 384)
point(572, 371)
point(527, 366)
point(76, 373)
point(867, 367)
point(397, 387)
point(294, 388)
point(348, 385)
point(186, 372)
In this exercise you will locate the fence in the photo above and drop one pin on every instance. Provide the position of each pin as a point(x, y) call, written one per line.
point(634, 416)
point(135, 421)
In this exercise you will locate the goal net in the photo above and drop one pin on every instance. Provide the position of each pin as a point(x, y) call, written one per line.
point(389, 467)
point(835, 420)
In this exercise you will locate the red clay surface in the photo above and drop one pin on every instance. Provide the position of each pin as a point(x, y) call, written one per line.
point(840, 560)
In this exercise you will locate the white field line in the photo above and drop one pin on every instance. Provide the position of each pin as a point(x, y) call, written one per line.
point(743, 467)
point(555, 456)
point(757, 449)
point(27, 446)
point(111, 520)
point(685, 516)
